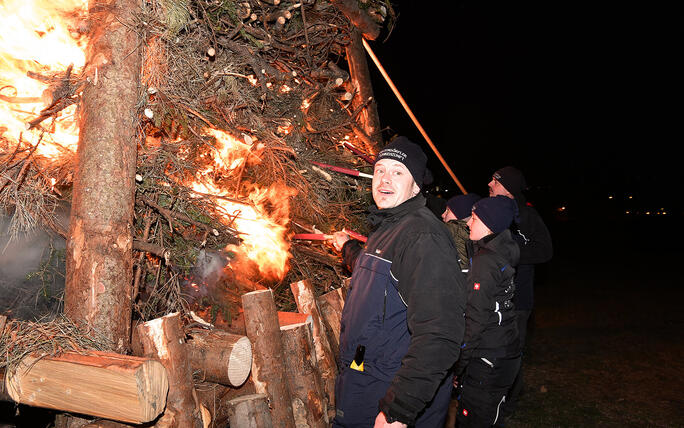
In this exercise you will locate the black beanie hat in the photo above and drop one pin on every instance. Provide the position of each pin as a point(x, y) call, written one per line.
point(403, 150)
point(462, 205)
point(497, 212)
point(512, 179)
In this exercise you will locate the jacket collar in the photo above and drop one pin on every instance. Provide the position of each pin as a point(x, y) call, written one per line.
point(501, 243)
point(377, 216)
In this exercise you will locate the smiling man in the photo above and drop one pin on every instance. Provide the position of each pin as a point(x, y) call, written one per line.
point(402, 322)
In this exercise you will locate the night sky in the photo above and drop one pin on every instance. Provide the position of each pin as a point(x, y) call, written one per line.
point(585, 98)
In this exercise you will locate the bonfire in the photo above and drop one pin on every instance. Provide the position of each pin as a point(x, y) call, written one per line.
point(246, 119)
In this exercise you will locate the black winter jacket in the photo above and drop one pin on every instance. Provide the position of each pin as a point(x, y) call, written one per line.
point(490, 331)
point(405, 305)
point(534, 241)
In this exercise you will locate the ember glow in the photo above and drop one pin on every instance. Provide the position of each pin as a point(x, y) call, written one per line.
point(39, 40)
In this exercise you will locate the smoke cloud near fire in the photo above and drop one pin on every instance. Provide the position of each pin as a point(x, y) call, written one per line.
point(31, 272)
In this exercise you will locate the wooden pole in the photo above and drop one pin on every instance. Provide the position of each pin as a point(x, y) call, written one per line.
point(99, 251)
point(306, 303)
point(268, 362)
point(410, 113)
point(361, 20)
point(163, 339)
point(361, 81)
point(306, 386)
point(219, 356)
point(108, 385)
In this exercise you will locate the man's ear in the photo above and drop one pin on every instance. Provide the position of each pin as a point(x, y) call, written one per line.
point(415, 189)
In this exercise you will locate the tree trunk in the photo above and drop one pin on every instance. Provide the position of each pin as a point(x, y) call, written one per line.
point(268, 362)
point(119, 387)
point(306, 385)
point(99, 260)
point(358, 17)
point(306, 303)
point(368, 118)
point(219, 356)
point(163, 338)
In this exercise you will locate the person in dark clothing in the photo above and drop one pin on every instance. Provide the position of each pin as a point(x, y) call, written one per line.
point(402, 322)
point(536, 247)
point(490, 353)
point(456, 216)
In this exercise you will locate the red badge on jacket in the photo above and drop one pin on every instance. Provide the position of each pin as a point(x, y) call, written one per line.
point(476, 286)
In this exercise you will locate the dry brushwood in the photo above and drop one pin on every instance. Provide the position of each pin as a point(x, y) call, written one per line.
point(268, 72)
point(45, 337)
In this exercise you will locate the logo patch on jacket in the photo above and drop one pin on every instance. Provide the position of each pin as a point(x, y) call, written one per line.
point(476, 286)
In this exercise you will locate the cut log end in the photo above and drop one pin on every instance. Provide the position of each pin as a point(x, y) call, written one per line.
point(240, 361)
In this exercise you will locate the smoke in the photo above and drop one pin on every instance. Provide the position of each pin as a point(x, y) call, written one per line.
point(32, 271)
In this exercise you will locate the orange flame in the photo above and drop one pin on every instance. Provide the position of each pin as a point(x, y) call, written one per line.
point(37, 39)
point(263, 231)
point(262, 222)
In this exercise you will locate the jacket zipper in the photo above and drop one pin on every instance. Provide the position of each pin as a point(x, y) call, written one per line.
point(384, 305)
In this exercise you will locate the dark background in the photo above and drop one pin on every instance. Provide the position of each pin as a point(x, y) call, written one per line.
point(584, 98)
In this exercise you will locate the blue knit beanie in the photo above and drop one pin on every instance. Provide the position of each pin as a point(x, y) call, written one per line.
point(497, 212)
point(462, 205)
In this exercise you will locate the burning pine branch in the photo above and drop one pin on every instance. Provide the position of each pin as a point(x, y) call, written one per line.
point(235, 98)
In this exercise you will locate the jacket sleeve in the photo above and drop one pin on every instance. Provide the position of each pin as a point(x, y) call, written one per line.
point(350, 252)
point(533, 238)
point(432, 286)
point(481, 287)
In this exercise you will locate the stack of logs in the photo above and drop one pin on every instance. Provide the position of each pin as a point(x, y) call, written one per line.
point(291, 358)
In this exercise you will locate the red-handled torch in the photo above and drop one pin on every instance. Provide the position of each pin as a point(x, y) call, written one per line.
point(326, 237)
point(347, 171)
point(365, 156)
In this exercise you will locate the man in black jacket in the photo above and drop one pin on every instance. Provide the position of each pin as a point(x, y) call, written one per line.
point(402, 322)
point(534, 241)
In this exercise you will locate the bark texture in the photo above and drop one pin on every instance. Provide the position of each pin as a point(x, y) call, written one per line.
point(268, 362)
point(360, 19)
point(220, 357)
point(368, 118)
point(305, 297)
point(99, 261)
point(163, 339)
point(309, 404)
point(113, 386)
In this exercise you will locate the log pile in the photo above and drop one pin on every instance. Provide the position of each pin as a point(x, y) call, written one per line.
point(185, 376)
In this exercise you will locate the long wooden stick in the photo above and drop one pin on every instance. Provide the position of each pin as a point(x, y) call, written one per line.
point(410, 113)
